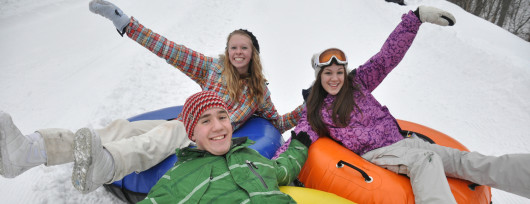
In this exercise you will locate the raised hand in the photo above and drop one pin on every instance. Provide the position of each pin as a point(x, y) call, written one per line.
point(111, 12)
point(435, 16)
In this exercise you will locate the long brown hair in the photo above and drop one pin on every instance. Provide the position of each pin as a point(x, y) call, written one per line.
point(342, 107)
point(256, 80)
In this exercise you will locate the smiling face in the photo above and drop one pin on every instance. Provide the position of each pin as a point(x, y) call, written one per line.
point(332, 78)
point(213, 131)
point(240, 52)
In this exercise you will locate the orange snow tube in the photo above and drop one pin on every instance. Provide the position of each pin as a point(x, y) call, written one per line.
point(330, 168)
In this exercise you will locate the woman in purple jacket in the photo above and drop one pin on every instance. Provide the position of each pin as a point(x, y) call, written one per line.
point(341, 106)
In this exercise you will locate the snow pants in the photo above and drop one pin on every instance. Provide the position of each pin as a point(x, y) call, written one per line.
point(428, 164)
point(135, 146)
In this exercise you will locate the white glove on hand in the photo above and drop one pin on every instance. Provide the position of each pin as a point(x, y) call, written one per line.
point(110, 11)
point(436, 16)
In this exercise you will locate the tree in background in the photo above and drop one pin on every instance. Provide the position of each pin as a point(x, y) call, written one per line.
point(512, 15)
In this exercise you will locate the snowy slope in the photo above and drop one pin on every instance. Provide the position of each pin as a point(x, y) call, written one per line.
point(62, 66)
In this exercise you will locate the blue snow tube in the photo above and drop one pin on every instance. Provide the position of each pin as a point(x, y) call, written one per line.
point(135, 186)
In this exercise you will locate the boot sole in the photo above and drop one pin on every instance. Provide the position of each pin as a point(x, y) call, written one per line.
point(82, 159)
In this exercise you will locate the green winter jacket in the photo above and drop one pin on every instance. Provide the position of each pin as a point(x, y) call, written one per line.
point(240, 176)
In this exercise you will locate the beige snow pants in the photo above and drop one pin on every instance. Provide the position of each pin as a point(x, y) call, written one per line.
point(428, 164)
point(135, 146)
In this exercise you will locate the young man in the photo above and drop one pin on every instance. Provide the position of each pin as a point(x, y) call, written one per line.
point(221, 169)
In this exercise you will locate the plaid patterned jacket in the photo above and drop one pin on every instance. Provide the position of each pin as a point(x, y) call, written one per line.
point(206, 71)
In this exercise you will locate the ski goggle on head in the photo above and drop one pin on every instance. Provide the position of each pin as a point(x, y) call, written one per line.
point(326, 57)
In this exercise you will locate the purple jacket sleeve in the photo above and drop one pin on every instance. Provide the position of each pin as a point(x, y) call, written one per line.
point(372, 73)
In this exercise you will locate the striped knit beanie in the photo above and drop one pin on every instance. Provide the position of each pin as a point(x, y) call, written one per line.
point(196, 104)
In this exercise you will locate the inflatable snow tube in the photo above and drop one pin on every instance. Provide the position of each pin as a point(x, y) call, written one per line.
point(331, 167)
point(312, 196)
point(135, 186)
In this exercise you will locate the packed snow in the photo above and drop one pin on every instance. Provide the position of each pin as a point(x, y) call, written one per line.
point(63, 66)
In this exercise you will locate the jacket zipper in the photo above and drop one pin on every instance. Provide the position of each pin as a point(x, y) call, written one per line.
point(251, 166)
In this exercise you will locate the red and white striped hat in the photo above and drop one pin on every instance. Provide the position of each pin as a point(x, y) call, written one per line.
point(196, 104)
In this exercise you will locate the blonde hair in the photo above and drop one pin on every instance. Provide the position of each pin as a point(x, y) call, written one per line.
point(256, 80)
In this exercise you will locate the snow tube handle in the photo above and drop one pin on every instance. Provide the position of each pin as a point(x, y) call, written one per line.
point(367, 178)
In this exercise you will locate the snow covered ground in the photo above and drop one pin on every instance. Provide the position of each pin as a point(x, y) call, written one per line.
point(62, 66)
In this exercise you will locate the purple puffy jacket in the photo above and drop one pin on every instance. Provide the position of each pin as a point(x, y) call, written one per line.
point(375, 127)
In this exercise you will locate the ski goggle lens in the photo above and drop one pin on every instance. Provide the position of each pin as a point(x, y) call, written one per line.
point(325, 57)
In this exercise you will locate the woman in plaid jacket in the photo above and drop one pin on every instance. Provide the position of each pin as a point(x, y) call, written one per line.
point(107, 155)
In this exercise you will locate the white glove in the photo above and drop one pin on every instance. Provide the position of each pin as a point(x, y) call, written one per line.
point(436, 16)
point(110, 11)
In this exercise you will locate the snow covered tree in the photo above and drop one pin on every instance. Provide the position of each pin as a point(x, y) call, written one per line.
point(512, 15)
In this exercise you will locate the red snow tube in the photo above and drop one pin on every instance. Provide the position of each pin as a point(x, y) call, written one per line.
point(326, 169)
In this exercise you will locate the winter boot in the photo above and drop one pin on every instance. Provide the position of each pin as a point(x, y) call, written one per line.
point(18, 152)
point(59, 145)
point(93, 165)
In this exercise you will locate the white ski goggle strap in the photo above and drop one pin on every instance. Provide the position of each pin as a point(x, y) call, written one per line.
point(326, 57)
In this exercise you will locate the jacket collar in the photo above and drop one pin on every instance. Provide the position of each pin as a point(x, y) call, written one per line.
point(192, 152)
